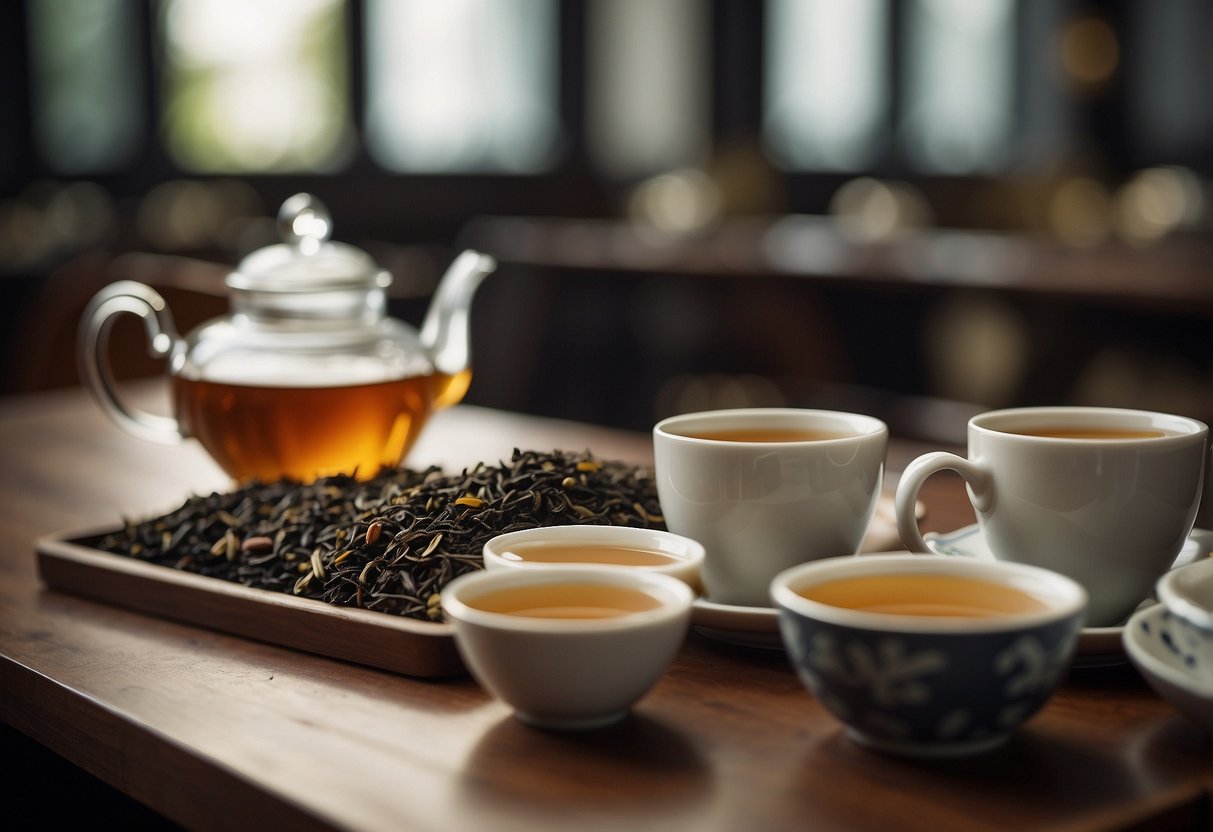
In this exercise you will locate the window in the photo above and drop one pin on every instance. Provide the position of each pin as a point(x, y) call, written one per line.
point(648, 88)
point(406, 92)
point(1168, 82)
point(827, 82)
point(87, 109)
point(255, 85)
point(462, 86)
point(830, 102)
point(959, 95)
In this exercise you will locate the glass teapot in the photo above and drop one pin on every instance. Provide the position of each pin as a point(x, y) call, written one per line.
point(306, 376)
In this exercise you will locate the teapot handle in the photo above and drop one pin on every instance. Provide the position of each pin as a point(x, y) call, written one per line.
point(95, 370)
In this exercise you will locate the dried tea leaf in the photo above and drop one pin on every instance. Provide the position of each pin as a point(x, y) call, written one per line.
point(305, 539)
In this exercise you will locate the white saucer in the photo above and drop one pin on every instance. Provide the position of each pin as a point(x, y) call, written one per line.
point(1097, 646)
point(745, 626)
point(759, 626)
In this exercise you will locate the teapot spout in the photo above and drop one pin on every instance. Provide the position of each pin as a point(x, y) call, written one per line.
point(446, 330)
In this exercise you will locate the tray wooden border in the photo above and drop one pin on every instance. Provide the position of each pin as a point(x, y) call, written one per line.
point(388, 642)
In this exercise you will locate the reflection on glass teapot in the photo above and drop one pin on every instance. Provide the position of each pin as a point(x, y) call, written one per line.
point(307, 376)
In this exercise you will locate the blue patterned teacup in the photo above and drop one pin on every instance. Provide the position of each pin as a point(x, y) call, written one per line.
point(1188, 593)
point(928, 655)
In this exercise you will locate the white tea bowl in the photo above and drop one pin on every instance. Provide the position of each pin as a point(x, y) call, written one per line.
point(1176, 659)
point(596, 545)
point(521, 637)
point(1188, 593)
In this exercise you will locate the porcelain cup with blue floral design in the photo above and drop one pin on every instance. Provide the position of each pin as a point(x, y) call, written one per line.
point(928, 655)
point(1107, 496)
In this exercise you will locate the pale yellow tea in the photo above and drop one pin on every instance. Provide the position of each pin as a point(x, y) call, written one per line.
point(924, 595)
point(1089, 433)
point(613, 555)
point(566, 600)
point(765, 435)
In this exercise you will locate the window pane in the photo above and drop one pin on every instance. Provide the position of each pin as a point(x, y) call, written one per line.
point(648, 80)
point(462, 85)
point(255, 85)
point(960, 94)
point(827, 95)
point(86, 93)
point(1044, 122)
point(1168, 85)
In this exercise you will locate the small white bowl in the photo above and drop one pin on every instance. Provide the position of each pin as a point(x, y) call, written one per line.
point(568, 673)
point(1176, 659)
point(1188, 592)
point(684, 556)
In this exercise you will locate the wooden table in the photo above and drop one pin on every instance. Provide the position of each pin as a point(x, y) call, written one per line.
point(213, 731)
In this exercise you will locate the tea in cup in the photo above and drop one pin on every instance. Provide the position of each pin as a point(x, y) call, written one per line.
point(1106, 496)
point(624, 547)
point(764, 489)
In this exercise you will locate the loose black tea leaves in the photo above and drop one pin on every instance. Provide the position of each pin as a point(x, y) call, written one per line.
point(390, 543)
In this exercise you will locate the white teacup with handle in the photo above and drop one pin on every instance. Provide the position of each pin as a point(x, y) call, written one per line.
point(1106, 496)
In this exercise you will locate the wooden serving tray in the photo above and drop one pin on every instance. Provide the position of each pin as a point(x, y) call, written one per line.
point(70, 563)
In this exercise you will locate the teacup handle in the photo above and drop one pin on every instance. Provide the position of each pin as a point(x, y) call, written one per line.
point(978, 479)
point(95, 371)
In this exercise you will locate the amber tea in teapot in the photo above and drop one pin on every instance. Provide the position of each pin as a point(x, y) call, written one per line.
point(263, 432)
point(307, 376)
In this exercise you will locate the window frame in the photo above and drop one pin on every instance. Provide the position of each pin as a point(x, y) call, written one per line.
point(435, 206)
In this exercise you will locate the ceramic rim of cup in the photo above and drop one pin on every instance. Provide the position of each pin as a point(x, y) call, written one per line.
point(1136, 646)
point(673, 595)
point(1004, 423)
point(1175, 591)
point(685, 552)
point(1063, 596)
point(853, 425)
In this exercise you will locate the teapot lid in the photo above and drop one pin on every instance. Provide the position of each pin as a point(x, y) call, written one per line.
point(306, 260)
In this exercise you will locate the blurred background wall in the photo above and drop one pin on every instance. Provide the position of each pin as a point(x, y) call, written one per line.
point(918, 209)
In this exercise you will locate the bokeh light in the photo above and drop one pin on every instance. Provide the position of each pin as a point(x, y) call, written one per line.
point(255, 85)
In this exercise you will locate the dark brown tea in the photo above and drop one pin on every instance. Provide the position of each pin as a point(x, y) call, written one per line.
point(1050, 432)
point(614, 555)
point(571, 600)
point(765, 434)
point(264, 432)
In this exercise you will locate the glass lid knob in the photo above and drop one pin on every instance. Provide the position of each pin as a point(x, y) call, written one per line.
point(304, 222)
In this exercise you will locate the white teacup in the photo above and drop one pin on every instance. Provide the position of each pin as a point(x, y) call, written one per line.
point(764, 489)
point(1106, 496)
point(621, 547)
point(568, 647)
